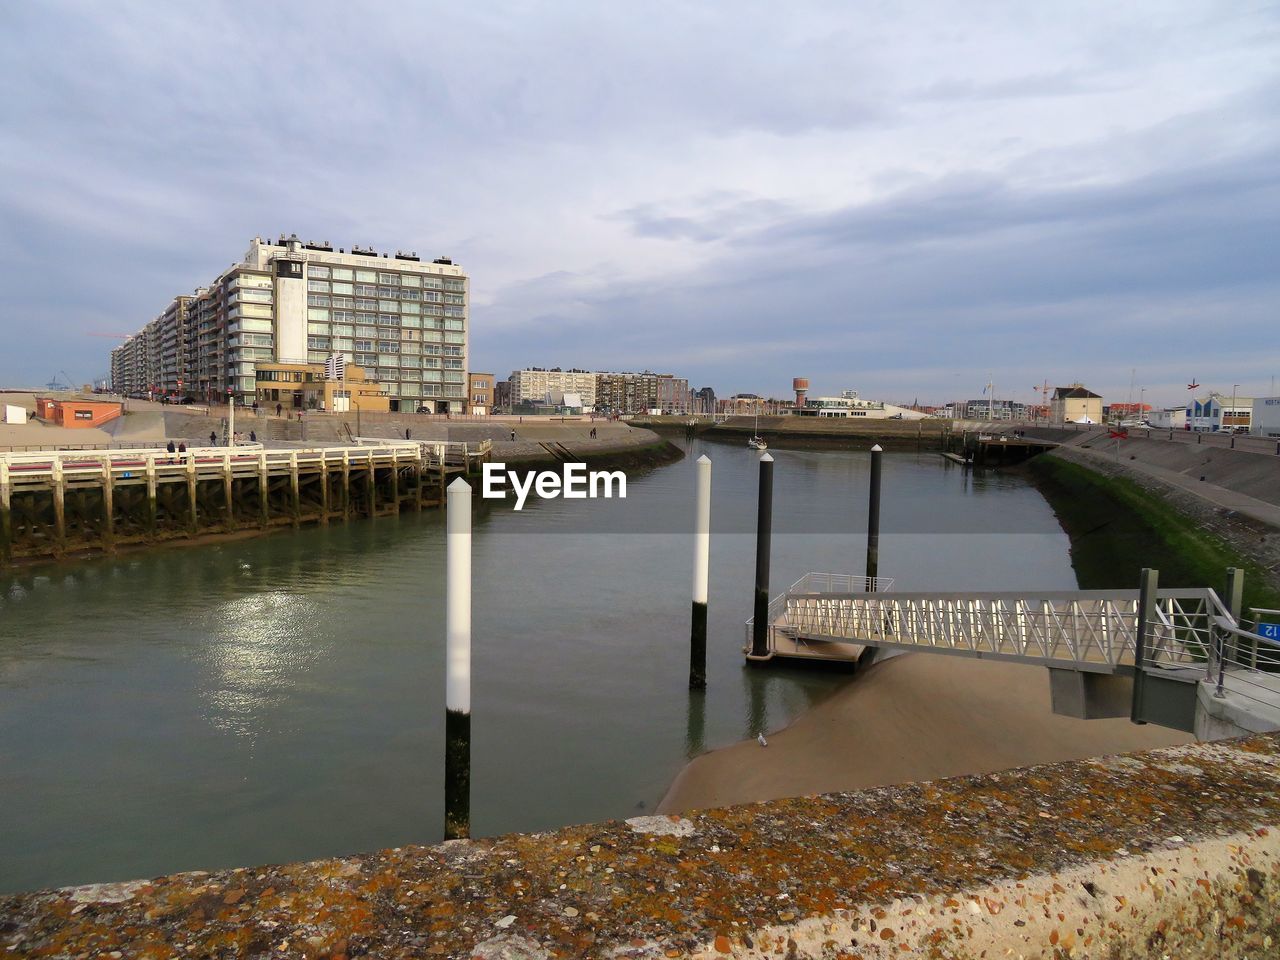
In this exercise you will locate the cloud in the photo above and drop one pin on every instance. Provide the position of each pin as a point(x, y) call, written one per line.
point(896, 199)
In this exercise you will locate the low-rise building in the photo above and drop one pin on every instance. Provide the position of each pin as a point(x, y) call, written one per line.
point(1169, 418)
point(1265, 421)
point(1217, 412)
point(480, 393)
point(304, 386)
point(77, 413)
point(992, 409)
point(849, 404)
point(1075, 404)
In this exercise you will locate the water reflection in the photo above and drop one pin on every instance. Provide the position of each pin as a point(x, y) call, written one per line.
point(695, 741)
point(260, 645)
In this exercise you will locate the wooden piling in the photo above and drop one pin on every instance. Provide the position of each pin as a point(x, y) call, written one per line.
point(324, 491)
point(228, 490)
point(108, 507)
point(193, 513)
point(346, 485)
point(264, 490)
point(395, 478)
point(6, 514)
point(151, 496)
point(295, 492)
point(420, 475)
point(58, 485)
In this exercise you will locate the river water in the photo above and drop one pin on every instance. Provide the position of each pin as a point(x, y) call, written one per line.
point(282, 698)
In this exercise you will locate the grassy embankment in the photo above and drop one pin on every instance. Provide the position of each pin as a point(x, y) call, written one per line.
point(1117, 528)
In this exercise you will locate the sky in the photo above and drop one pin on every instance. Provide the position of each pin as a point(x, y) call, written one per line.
point(909, 199)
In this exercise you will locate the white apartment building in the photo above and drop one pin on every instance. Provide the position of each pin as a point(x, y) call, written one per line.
point(404, 320)
point(538, 385)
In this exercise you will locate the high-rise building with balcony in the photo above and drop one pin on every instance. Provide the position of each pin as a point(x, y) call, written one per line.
point(404, 320)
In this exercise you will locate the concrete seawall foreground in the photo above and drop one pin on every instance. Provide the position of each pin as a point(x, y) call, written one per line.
point(1174, 852)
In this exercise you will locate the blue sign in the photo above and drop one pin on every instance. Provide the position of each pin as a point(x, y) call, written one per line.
point(1269, 630)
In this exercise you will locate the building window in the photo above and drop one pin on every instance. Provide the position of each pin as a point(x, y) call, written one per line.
point(315, 270)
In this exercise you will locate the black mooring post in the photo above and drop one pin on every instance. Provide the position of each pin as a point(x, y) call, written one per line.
point(764, 532)
point(1146, 616)
point(873, 520)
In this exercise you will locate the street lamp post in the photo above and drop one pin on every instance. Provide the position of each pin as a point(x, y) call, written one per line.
point(1234, 388)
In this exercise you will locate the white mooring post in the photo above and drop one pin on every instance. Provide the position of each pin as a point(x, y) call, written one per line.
point(701, 569)
point(457, 703)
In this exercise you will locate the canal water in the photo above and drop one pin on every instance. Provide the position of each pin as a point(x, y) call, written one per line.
point(281, 698)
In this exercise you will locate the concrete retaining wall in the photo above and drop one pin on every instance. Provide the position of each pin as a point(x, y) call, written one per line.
point(1169, 853)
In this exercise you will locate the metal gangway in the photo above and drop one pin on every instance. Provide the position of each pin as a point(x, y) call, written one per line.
point(829, 617)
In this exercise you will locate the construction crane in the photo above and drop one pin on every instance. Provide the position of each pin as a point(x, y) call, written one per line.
point(56, 384)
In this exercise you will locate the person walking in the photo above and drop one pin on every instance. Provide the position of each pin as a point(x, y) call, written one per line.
point(171, 448)
point(513, 434)
point(213, 438)
point(182, 448)
point(279, 409)
point(253, 436)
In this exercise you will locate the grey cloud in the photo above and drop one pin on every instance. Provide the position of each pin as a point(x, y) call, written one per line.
point(1059, 281)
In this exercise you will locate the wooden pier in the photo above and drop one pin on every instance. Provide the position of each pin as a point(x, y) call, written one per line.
point(61, 502)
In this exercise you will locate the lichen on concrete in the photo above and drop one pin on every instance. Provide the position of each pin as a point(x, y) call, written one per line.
point(1172, 852)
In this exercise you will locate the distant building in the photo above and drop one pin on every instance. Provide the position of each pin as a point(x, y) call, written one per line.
point(534, 385)
point(1265, 421)
point(993, 410)
point(704, 400)
point(480, 393)
point(1216, 412)
point(645, 392)
point(502, 396)
point(1075, 404)
point(1128, 411)
point(849, 404)
point(1171, 418)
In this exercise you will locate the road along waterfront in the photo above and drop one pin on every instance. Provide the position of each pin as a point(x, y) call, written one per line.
point(282, 698)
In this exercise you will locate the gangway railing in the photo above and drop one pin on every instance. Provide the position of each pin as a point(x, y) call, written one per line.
point(1243, 662)
point(1089, 630)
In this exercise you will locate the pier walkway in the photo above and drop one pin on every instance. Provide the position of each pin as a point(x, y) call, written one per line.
point(53, 502)
point(1190, 636)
